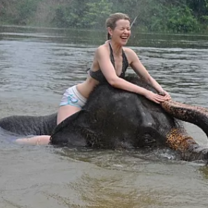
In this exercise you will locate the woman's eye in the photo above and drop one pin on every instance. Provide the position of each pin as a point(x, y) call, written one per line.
point(128, 29)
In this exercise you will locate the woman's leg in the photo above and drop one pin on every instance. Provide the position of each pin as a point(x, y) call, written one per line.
point(63, 113)
point(66, 111)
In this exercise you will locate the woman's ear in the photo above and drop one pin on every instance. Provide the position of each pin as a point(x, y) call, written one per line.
point(110, 31)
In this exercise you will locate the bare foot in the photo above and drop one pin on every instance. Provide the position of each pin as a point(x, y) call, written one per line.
point(36, 140)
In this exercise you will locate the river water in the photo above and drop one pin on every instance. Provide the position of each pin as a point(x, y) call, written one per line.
point(37, 65)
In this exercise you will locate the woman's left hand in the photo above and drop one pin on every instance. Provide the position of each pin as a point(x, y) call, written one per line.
point(165, 94)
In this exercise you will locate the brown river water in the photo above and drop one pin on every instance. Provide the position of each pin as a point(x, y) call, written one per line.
point(37, 65)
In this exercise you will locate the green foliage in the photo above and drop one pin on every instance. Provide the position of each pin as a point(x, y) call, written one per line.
point(132, 8)
point(181, 19)
point(152, 15)
point(26, 9)
point(19, 12)
point(82, 13)
point(199, 7)
point(97, 13)
point(71, 15)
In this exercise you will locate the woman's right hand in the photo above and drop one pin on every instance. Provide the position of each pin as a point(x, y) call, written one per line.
point(155, 97)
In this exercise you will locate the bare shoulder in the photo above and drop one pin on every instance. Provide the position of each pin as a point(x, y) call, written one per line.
point(102, 49)
point(130, 53)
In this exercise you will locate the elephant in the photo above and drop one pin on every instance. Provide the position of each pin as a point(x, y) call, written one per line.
point(117, 119)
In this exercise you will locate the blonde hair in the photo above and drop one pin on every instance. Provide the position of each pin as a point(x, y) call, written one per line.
point(112, 19)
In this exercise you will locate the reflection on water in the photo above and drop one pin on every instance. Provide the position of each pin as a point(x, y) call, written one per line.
point(37, 65)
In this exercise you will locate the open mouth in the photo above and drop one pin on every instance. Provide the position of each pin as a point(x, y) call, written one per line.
point(124, 38)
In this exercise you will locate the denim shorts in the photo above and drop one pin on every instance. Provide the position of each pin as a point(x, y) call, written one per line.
point(73, 97)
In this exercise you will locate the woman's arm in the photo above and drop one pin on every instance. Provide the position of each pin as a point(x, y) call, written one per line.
point(102, 56)
point(141, 71)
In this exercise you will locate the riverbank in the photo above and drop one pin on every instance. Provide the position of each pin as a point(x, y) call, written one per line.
point(152, 15)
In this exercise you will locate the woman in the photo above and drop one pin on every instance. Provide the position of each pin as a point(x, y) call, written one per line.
point(109, 65)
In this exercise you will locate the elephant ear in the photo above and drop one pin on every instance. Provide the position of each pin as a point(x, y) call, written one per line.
point(66, 129)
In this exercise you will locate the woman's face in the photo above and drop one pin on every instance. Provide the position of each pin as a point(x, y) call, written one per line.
point(121, 32)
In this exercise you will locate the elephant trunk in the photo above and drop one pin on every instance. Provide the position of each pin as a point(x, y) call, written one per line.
point(186, 146)
point(192, 114)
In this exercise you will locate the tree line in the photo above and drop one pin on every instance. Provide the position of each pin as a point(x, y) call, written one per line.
point(178, 16)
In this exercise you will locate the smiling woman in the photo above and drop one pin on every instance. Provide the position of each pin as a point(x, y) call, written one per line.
point(109, 66)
